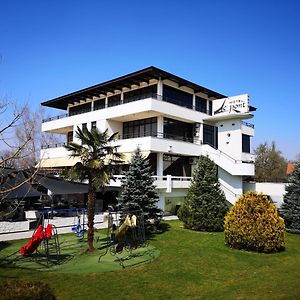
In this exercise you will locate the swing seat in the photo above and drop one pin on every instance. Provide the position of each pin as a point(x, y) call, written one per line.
point(80, 233)
point(74, 228)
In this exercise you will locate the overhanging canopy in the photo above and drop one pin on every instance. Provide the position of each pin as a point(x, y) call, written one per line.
point(61, 187)
point(136, 78)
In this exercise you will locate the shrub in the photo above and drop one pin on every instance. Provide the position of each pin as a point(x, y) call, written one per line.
point(12, 289)
point(253, 223)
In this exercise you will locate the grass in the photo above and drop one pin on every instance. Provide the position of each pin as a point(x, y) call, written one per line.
point(190, 265)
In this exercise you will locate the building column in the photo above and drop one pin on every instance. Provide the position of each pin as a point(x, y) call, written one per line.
point(201, 133)
point(159, 88)
point(160, 126)
point(194, 102)
point(160, 164)
point(106, 101)
point(122, 97)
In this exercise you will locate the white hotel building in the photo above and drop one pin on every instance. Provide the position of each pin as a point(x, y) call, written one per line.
point(171, 119)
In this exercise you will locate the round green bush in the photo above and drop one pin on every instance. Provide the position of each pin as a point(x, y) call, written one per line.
point(253, 223)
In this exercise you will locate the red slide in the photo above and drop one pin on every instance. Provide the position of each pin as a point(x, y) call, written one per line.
point(34, 242)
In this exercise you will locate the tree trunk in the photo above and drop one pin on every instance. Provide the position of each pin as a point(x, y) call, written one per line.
point(91, 216)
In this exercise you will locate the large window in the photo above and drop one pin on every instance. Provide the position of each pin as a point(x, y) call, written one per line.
point(114, 100)
point(141, 93)
point(210, 135)
point(99, 104)
point(140, 128)
point(178, 130)
point(246, 143)
point(79, 109)
point(178, 97)
point(201, 104)
point(177, 165)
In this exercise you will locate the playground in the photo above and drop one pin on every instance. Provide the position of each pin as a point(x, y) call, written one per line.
point(187, 264)
point(122, 244)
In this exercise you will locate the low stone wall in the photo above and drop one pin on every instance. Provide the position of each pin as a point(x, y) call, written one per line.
point(6, 227)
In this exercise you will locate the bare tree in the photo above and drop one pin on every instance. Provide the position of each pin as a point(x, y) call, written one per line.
point(12, 152)
point(30, 130)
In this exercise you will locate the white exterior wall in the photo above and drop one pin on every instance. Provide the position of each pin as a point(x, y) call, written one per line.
point(230, 138)
point(273, 189)
point(231, 185)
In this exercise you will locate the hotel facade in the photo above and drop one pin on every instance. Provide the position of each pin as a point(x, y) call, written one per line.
point(172, 120)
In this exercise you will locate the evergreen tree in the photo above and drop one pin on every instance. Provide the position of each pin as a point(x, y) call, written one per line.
point(205, 205)
point(138, 191)
point(291, 200)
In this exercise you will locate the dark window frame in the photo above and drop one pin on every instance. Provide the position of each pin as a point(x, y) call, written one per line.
point(140, 128)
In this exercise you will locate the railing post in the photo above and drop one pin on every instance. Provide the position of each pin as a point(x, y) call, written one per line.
point(169, 183)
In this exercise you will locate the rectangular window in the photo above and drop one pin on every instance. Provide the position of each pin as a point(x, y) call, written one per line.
point(99, 104)
point(70, 137)
point(142, 93)
point(80, 109)
point(94, 125)
point(210, 135)
point(210, 108)
point(177, 96)
point(245, 143)
point(178, 130)
point(114, 100)
point(84, 127)
point(140, 128)
point(201, 104)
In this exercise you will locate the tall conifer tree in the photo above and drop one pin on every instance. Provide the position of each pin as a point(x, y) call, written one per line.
point(291, 201)
point(138, 190)
point(205, 205)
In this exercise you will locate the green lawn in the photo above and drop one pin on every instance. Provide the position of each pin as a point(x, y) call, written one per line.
point(190, 265)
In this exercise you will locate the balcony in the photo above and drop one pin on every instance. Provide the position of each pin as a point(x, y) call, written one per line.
point(129, 100)
point(167, 182)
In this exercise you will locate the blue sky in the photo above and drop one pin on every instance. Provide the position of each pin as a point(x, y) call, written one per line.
point(50, 48)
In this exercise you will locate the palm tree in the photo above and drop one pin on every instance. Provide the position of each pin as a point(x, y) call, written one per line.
point(97, 161)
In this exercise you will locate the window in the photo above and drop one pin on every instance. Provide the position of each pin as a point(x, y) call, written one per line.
point(210, 108)
point(141, 93)
point(70, 137)
point(201, 104)
point(245, 143)
point(178, 130)
point(178, 97)
point(114, 100)
point(176, 165)
point(94, 125)
point(84, 127)
point(210, 135)
point(80, 109)
point(140, 128)
point(99, 104)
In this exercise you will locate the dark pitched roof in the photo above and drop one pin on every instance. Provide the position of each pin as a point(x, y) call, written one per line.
point(123, 81)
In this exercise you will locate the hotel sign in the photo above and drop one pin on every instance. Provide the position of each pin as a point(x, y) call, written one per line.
point(231, 105)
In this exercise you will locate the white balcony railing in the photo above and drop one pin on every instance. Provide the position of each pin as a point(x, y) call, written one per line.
point(167, 182)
